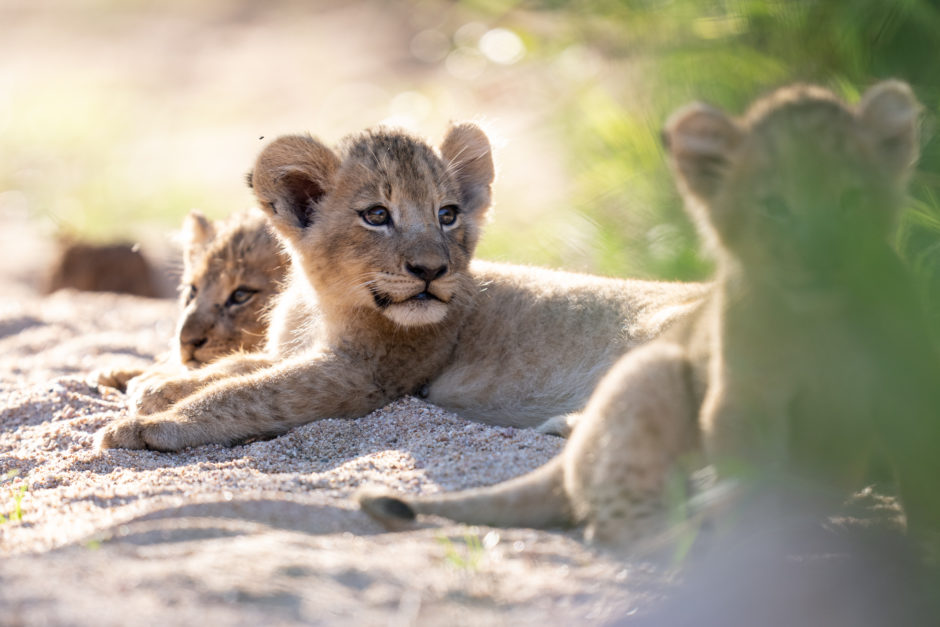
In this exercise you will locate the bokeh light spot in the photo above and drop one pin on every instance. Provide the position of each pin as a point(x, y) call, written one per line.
point(502, 46)
point(465, 63)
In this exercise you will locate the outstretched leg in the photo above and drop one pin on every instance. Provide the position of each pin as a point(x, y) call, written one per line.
point(260, 404)
point(158, 388)
point(536, 499)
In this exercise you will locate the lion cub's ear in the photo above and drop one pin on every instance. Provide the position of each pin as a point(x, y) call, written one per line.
point(197, 232)
point(701, 141)
point(466, 149)
point(889, 111)
point(290, 178)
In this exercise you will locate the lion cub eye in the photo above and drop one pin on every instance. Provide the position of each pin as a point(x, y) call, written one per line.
point(775, 208)
point(240, 296)
point(190, 293)
point(376, 216)
point(447, 214)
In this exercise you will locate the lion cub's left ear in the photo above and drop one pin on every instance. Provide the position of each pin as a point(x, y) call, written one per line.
point(466, 149)
point(290, 178)
point(195, 236)
point(890, 111)
point(701, 141)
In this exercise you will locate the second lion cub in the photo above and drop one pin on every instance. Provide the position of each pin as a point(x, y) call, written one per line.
point(233, 271)
point(383, 301)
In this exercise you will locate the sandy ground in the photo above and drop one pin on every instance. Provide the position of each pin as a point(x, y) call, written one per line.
point(264, 531)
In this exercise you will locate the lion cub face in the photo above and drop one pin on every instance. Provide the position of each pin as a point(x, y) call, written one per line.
point(384, 224)
point(231, 272)
point(802, 191)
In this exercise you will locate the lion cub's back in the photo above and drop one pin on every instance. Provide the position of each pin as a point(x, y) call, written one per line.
point(537, 341)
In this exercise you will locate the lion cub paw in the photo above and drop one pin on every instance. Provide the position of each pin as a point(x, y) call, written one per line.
point(117, 379)
point(159, 433)
point(152, 395)
point(561, 426)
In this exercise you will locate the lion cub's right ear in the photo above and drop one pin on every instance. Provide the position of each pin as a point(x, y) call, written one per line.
point(290, 178)
point(701, 141)
point(890, 112)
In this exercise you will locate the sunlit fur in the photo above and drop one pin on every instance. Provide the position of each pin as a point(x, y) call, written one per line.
point(376, 311)
point(810, 357)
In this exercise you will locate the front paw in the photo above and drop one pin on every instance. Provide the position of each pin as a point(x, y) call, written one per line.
point(562, 425)
point(159, 432)
point(117, 379)
point(151, 396)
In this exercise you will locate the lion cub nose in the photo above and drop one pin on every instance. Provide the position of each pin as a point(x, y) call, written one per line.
point(196, 342)
point(193, 336)
point(189, 346)
point(426, 273)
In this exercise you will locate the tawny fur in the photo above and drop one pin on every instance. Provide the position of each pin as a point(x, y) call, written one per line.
point(383, 302)
point(119, 268)
point(232, 272)
point(811, 355)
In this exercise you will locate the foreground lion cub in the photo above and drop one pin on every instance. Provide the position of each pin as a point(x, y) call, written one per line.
point(810, 357)
point(383, 302)
point(232, 270)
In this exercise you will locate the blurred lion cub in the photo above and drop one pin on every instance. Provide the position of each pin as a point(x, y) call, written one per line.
point(810, 357)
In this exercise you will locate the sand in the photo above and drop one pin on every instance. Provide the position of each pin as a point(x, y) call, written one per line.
point(263, 532)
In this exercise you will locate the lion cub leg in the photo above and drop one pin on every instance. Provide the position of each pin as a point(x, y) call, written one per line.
point(256, 405)
point(158, 388)
point(536, 499)
point(613, 472)
point(562, 425)
point(640, 421)
point(118, 378)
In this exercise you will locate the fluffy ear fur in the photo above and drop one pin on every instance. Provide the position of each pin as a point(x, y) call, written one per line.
point(701, 140)
point(469, 157)
point(197, 232)
point(889, 110)
point(290, 178)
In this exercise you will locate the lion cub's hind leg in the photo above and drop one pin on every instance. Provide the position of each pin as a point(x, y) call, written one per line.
point(612, 474)
point(619, 460)
point(536, 499)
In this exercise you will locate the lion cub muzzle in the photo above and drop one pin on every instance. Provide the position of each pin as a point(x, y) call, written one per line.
point(421, 297)
point(194, 337)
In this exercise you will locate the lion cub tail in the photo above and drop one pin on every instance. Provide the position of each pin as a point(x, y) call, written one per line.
point(536, 499)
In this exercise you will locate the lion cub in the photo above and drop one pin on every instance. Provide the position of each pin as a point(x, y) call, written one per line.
point(384, 301)
point(810, 357)
point(119, 268)
point(232, 271)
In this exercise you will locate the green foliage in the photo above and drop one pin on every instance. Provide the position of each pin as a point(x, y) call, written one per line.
point(661, 55)
point(465, 554)
point(18, 493)
point(93, 545)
